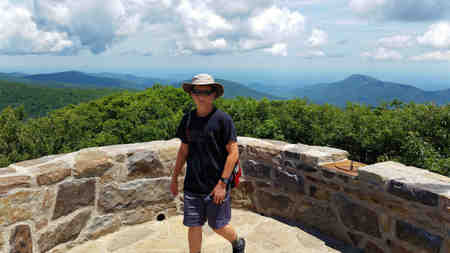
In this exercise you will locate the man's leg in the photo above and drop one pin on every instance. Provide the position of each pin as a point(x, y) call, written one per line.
point(230, 234)
point(227, 232)
point(194, 218)
point(219, 217)
point(195, 239)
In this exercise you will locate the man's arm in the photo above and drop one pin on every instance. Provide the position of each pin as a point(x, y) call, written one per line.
point(181, 159)
point(232, 158)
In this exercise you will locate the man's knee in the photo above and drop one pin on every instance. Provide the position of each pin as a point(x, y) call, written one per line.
point(217, 227)
point(195, 228)
point(217, 230)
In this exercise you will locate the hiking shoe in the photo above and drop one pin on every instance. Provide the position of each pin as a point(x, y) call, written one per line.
point(239, 246)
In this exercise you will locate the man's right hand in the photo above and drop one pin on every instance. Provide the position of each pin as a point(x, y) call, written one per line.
point(174, 186)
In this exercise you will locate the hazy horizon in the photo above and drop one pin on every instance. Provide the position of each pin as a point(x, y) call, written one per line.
point(278, 42)
point(249, 77)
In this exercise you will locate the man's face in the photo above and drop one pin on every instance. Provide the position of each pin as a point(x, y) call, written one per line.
point(202, 95)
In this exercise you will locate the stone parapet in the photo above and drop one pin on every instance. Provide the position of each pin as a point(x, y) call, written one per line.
point(383, 207)
point(55, 202)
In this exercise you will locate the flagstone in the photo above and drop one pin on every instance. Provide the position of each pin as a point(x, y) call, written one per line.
point(263, 234)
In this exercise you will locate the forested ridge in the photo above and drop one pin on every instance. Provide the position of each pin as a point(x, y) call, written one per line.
point(39, 100)
point(414, 134)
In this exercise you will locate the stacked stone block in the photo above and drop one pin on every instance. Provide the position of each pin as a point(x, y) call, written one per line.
point(386, 207)
point(55, 202)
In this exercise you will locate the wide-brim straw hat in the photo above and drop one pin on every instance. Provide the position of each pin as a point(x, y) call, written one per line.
point(203, 79)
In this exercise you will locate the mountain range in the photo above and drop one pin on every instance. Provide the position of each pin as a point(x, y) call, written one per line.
point(367, 90)
point(38, 100)
point(234, 89)
point(356, 88)
point(77, 79)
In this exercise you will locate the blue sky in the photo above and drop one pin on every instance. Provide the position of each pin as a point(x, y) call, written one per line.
point(295, 42)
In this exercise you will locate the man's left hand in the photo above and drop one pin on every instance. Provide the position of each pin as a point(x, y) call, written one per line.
point(219, 192)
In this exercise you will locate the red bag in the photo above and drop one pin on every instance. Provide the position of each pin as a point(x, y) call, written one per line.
point(237, 172)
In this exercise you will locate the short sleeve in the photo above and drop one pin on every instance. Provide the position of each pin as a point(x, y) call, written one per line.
point(181, 130)
point(229, 131)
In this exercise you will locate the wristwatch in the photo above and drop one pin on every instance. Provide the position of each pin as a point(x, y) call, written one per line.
point(225, 180)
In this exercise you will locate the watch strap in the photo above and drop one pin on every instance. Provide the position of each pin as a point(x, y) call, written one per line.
point(225, 180)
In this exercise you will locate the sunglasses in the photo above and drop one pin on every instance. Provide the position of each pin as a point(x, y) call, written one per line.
point(203, 92)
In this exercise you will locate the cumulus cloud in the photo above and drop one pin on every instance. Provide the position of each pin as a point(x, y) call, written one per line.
point(19, 34)
point(63, 26)
point(201, 25)
point(265, 28)
point(202, 46)
point(433, 56)
point(312, 54)
point(383, 54)
point(238, 8)
point(276, 22)
point(366, 6)
point(403, 10)
point(318, 38)
point(278, 49)
point(94, 24)
point(437, 36)
point(189, 26)
point(201, 21)
point(398, 41)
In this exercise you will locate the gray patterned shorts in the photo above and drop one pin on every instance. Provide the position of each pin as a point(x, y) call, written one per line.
point(200, 207)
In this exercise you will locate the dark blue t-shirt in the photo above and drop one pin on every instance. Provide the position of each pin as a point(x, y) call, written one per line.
point(209, 136)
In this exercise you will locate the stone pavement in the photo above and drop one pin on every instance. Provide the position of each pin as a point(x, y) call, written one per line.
point(262, 234)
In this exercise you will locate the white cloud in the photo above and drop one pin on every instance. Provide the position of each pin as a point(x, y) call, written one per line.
point(383, 54)
point(199, 20)
point(202, 46)
point(19, 34)
point(437, 36)
point(201, 24)
point(265, 28)
point(94, 24)
point(238, 9)
point(398, 41)
point(318, 53)
point(278, 49)
point(318, 38)
point(247, 44)
point(276, 22)
point(187, 26)
point(404, 10)
point(366, 6)
point(312, 54)
point(433, 56)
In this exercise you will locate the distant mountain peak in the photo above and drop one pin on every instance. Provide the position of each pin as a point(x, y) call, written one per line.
point(72, 72)
point(63, 73)
point(360, 78)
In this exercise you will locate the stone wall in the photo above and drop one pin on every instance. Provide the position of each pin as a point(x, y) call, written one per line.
point(56, 202)
point(381, 208)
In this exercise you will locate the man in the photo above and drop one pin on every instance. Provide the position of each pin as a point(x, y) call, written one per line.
point(209, 145)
